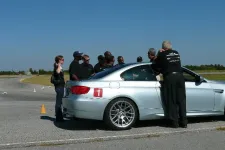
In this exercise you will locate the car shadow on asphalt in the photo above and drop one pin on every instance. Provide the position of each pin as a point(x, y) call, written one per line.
point(77, 124)
point(163, 122)
point(83, 124)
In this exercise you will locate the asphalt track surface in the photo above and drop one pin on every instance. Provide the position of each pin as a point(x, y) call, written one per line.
point(22, 126)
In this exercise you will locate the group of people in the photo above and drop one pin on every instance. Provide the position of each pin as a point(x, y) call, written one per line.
point(78, 71)
point(167, 62)
point(84, 70)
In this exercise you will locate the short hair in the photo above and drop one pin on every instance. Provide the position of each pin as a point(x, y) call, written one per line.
point(107, 53)
point(100, 57)
point(139, 59)
point(152, 51)
point(109, 58)
point(166, 45)
point(85, 56)
point(58, 58)
point(120, 57)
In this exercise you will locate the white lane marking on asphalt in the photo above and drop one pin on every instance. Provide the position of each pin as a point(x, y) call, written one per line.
point(104, 138)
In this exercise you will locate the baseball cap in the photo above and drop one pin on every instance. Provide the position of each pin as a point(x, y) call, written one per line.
point(77, 53)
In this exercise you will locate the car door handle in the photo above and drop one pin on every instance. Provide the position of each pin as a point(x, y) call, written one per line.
point(218, 90)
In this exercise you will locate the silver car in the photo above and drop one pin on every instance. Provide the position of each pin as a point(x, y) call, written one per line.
point(126, 93)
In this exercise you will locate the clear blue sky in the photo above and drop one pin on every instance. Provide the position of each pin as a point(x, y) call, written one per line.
point(32, 33)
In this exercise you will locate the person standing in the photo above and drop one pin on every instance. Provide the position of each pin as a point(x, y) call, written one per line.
point(59, 84)
point(100, 65)
point(75, 68)
point(87, 68)
point(169, 62)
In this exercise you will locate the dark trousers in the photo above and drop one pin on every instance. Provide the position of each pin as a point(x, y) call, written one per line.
point(59, 95)
point(162, 95)
point(175, 98)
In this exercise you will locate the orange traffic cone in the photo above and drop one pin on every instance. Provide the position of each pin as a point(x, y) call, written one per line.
point(43, 110)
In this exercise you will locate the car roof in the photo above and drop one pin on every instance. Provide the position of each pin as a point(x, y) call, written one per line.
point(115, 75)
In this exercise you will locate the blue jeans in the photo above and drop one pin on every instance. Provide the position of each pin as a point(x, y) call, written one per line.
point(59, 95)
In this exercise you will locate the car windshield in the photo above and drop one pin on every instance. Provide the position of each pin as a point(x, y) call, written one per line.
point(108, 71)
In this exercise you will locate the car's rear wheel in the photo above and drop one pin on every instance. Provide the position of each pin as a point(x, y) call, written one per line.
point(121, 114)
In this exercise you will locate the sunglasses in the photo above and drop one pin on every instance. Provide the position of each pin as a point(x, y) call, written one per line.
point(62, 59)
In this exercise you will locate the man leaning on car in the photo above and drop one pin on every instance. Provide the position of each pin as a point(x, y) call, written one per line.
point(169, 62)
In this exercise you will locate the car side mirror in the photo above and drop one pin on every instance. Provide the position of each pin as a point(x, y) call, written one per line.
point(199, 79)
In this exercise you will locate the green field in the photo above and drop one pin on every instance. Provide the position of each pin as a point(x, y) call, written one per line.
point(214, 76)
point(201, 71)
point(42, 80)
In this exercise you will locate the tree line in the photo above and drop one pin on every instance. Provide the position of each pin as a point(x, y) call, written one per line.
point(205, 67)
point(46, 72)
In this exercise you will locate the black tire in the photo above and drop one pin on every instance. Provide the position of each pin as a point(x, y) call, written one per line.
point(108, 121)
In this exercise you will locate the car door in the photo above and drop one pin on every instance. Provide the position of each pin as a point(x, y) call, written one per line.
point(139, 83)
point(199, 95)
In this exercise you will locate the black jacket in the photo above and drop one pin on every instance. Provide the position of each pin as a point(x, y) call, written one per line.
point(58, 78)
point(98, 68)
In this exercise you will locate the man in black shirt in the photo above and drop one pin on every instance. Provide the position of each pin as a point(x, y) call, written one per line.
point(100, 65)
point(169, 63)
point(75, 68)
point(87, 68)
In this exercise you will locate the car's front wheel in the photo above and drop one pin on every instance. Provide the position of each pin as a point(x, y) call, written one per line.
point(121, 114)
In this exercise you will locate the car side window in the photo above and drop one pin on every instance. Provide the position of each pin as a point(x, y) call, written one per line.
point(188, 77)
point(139, 73)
